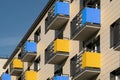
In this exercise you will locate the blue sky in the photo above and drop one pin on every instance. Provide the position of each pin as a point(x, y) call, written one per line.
point(16, 17)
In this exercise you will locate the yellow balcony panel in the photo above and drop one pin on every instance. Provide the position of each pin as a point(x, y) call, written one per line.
point(17, 63)
point(89, 66)
point(16, 67)
point(58, 51)
point(90, 60)
point(58, 15)
point(61, 45)
point(31, 75)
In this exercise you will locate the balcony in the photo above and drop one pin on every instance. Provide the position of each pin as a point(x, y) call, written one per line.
point(85, 66)
point(30, 75)
point(29, 52)
point(5, 76)
point(58, 15)
point(85, 24)
point(16, 67)
point(57, 51)
point(61, 78)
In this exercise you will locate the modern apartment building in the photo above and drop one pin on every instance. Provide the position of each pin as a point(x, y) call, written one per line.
point(2, 62)
point(70, 40)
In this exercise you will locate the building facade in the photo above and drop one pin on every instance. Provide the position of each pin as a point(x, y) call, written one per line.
point(70, 40)
point(2, 62)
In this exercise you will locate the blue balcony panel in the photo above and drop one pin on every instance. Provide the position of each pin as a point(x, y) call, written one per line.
point(61, 8)
point(61, 78)
point(58, 15)
point(30, 47)
point(90, 15)
point(30, 51)
point(88, 24)
point(6, 76)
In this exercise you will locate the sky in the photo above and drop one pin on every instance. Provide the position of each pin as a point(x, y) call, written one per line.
point(16, 17)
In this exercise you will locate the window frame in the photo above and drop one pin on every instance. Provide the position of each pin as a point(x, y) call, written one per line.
point(37, 64)
point(37, 36)
point(115, 33)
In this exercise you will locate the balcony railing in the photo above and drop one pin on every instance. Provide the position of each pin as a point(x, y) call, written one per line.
point(58, 15)
point(29, 51)
point(5, 76)
point(85, 65)
point(115, 36)
point(85, 24)
point(16, 67)
point(57, 51)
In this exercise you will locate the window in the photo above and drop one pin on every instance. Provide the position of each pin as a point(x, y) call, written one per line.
point(37, 35)
point(37, 64)
point(20, 78)
point(90, 3)
point(49, 79)
point(71, 1)
point(115, 34)
point(92, 45)
point(115, 75)
point(59, 34)
point(58, 70)
point(7, 71)
point(73, 67)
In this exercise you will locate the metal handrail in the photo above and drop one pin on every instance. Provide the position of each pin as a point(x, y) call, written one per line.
point(78, 62)
point(50, 51)
point(76, 23)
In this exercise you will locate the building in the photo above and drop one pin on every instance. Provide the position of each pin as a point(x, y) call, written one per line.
point(70, 40)
point(2, 62)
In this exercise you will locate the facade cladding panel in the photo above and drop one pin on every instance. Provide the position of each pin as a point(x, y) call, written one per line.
point(62, 8)
point(30, 47)
point(6, 76)
point(90, 15)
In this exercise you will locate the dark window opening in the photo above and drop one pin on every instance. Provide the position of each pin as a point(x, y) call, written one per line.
point(115, 34)
point(7, 71)
point(92, 45)
point(59, 34)
point(58, 70)
point(90, 3)
point(37, 64)
point(115, 75)
point(72, 65)
point(20, 78)
point(20, 55)
point(49, 79)
point(46, 23)
point(37, 35)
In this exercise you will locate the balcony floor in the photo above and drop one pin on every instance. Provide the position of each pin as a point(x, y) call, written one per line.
point(28, 57)
point(86, 74)
point(58, 22)
point(16, 72)
point(58, 58)
point(86, 32)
